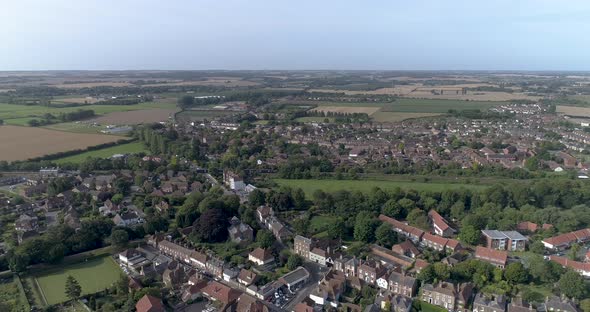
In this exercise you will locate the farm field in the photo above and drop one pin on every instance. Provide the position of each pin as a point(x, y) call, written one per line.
point(128, 148)
point(20, 143)
point(347, 109)
point(213, 81)
point(76, 126)
point(436, 106)
point(314, 119)
point(135, 117)
point(310, 186)
point(93, 275)
point(21, 114)
point(573, 111)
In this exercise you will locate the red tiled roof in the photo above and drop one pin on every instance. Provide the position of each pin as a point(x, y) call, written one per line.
point(491, 255)
point(261, 254)
point(435, 239)
point(575, 265)
point(221, 292)
point(527, 226)
point(401, 226)
point(149, 303)
point(568, 238)
point(438, 220)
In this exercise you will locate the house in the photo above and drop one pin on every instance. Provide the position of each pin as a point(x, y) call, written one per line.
point(556, 304)
point(435, 242)
point(247, 277)
point(247, 303)
point(329, 289)
point(175, 275)
point(412, 233)
point(440, 226)
point(261, 256)
point(406, 248)
point(239, 232)
point(26, 223)
point(233, 181)
point(564, 241)
point(127, 219)
point(447, 295)
point(398, 283)
point(493, 256)
point(580, 267)
point(504, 240)
point(519, 305)
point(132, 258)
point(216, 291)
point(369, 271)
point(302, 246)
point(305, 306)
point(149, 303)
point(485, 303)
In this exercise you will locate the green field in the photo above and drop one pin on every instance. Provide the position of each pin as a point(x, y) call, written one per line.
point(435, 106)
point(427, 307)
point(314, 119)
point(129, 148)
point(202, 114)
point(93, 275)
point(77, 127)
point(21, 114)
point(310, 186)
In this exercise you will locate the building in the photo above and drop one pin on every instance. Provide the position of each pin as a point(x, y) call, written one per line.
point(484, 303)
point(564, 241)
point(406, 248)
point(329, 289)
point(216, 291)
point(412, 233)
point(580, 267)
point(26, 223)
point(369, 271)
point(401, 284)
point(261, 256)
point(519, 305)
point(498, 258)
point(295, 278)
point(239, 232)
point(504, 240)
point(247, 277)
point(127, 219)
point(149, 303)
point(233, 181)
point(440, 226)
point(556, 304)
point(447, 295)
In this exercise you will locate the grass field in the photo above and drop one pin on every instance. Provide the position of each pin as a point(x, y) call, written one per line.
point(94, 275)
point(129, 148)
point(427, 307)
point(77, 127)
point(202, 114)
point(310, 186)
point(314, 119)
point(398, 116)
point(20, 143)
point(21, 114)
point(319, 224)
point(436, 106)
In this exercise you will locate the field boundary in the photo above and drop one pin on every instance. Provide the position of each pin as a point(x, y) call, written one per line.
point(41, 292)
point(23, 293)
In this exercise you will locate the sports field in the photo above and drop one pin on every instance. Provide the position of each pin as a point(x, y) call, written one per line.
point(129, 148)
point(93, 275)
point(310, 186)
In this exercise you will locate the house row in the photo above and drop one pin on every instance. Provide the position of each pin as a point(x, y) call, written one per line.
point(564, 241)
point(266, 217)
point(418, 236)
point(580, 267)
point(504, 240)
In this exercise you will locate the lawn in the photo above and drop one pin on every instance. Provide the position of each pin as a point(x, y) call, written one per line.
point(93, 275)
point(128, 148)
point(310, 186)
point(319, 224)
point(427, 307)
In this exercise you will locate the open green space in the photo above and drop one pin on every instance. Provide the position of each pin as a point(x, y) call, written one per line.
point(314, 119)
point(319, 224)
point(202, 114)
point(93, 275)
point(13, 296)
point(427, 307)
point(21, 114)
point(435, 106)
point(128, 148)
point(75, 126)
point(310, 186)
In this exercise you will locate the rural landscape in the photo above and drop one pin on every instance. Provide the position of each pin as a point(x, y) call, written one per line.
point(294, 191)
point(297, 156)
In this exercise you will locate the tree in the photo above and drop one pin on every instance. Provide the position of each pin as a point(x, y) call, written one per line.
point(470, 235)
point(265, 239)
point(572, 285)
point(119, 237)
point(337, 230)
point(417, 217)
point(515, 273)
point(385, 236)
point(257, 198)
point(293, 262)
point(186, 101)
point(211, 226)
point(364, 227)
point(585, 305)
point(573, 253)
point(392, 209)
point(73, 288)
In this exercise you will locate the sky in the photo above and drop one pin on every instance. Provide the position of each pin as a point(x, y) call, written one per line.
point(295, 35)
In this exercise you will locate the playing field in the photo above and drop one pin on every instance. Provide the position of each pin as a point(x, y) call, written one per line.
point(20, 143)
point(129, 148)
point(94, 275)
point(330, 186)
point(135, 117)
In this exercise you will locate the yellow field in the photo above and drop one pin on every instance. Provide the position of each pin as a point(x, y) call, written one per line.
point(217, 81)
point(574, 111)
point(92, 84)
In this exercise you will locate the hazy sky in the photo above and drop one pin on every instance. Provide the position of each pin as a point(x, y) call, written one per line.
point(297, 34)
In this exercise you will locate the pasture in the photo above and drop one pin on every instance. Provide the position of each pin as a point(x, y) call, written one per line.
point(330, 186)
point(574, 111)
point(128, 148)
point(198, 115)
point(93, 275)
point(397, 116)
point(347, 109)
point(20, 143)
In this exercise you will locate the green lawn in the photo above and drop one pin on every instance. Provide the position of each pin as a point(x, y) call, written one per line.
point(309, 186)
point(314, 119)
point(427, 307)
point(93, 275)
point(436, 106)
point(202, 114)
point(129, 148)
point(319, 224)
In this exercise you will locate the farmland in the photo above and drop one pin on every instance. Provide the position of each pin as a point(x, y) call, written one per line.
point(398, 116)
point(347, 109)
point(310, 186)
point(21, 114)
point(128, 148)
point(19, 143)
point(574, 111)
point(93, 275)
point(135, 117)
point(202, 114)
